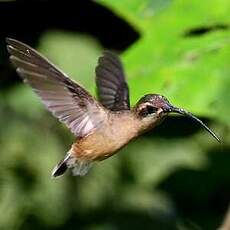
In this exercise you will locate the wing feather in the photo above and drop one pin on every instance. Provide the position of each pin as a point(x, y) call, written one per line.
point(112, 88)
point(66, 99)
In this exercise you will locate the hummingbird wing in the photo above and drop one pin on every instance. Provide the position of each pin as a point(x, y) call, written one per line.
point(66, 99)
point(112, 88)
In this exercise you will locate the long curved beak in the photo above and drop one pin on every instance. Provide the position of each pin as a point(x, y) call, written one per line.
point(173, 109)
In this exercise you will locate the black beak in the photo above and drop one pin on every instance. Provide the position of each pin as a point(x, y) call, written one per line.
point(173, 109)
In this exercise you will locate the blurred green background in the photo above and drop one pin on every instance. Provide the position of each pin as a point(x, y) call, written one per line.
point(174, 177)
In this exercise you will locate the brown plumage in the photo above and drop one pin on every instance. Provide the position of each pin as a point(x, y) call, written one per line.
point(101, 127)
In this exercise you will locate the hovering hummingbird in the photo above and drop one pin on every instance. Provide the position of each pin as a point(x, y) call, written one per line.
point(101, 127)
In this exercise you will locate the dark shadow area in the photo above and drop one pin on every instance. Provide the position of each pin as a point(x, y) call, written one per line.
point(202, 196)
point(26, 20)
point(178, 127)
point(199, 31)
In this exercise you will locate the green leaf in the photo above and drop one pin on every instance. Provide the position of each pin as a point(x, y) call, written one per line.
point(191, 71)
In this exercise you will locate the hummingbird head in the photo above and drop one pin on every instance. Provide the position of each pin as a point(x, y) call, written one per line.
point(151, 108)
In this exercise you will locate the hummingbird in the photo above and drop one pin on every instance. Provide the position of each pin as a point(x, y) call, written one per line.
point(101, 127)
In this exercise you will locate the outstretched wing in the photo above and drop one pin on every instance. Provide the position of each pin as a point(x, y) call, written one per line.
point(66, 99)
point(112, 88)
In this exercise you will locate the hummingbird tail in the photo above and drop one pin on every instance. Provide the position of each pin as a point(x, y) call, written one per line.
point(79, 167)
point(60, 168)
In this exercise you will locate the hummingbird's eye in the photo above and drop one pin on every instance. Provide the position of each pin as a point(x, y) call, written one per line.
point(147, 110)
point(151, 109)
